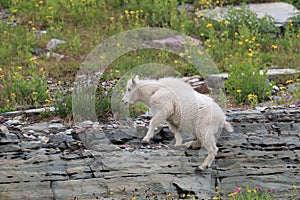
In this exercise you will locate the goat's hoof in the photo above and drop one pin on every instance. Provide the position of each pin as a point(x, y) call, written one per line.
point(200, 168)
point(144, 142)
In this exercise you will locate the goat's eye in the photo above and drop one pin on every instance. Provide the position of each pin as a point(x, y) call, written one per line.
point(128, 89)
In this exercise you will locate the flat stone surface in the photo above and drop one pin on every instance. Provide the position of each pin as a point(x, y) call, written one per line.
point(216, 80)
point(279, 11)
point(262, 151)
point(29, 112)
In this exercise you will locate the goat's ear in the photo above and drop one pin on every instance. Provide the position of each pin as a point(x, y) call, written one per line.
point(133, 82)
point(136, 77)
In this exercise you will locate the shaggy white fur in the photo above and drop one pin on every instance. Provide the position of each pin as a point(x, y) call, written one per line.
point(174, 101)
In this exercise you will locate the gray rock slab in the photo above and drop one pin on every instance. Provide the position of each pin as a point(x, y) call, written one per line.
point(9, 148)
point(53, 43)
point(34, 190)
point(279, 11)
point(82, 189)
point(3, 129)
point(216, 80)
point(28, 112)
point(255, 153)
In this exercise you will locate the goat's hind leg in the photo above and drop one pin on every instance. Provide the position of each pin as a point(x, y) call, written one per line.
point(174, 129)
point(210, 145)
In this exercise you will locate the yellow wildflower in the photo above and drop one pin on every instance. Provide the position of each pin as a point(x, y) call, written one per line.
point(175, 61)
point(233, 194)
point(34, 93)
point(289, 81)
point(200, 52)
point(238, 91)
point(200, 15)
point(209, 25)
point(240, 42)
point(274, 46)
point(252, 97)
point(32, 59)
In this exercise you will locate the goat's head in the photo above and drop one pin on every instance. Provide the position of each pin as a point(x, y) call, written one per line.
point(130, 90)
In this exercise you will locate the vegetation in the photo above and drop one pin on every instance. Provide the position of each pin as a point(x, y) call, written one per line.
point(240, 46)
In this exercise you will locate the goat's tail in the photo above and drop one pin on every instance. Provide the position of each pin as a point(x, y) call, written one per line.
point(228, 126)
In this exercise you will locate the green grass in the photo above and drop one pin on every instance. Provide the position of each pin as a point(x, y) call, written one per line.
point(83, 24)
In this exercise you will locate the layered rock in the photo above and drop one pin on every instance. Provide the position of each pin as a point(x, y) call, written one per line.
point(57, 161)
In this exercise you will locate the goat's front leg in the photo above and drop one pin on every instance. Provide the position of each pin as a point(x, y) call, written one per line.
point(156, 120)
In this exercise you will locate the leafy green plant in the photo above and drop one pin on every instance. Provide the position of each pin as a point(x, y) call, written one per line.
point(24, 87)
point(63, 105)
point(247, 80)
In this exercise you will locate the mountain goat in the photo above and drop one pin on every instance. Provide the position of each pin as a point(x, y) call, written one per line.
point(174, 101)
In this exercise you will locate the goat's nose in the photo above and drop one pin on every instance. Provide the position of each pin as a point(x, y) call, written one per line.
point(124, 101)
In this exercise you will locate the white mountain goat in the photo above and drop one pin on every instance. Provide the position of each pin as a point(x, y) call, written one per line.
point(174, 101)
